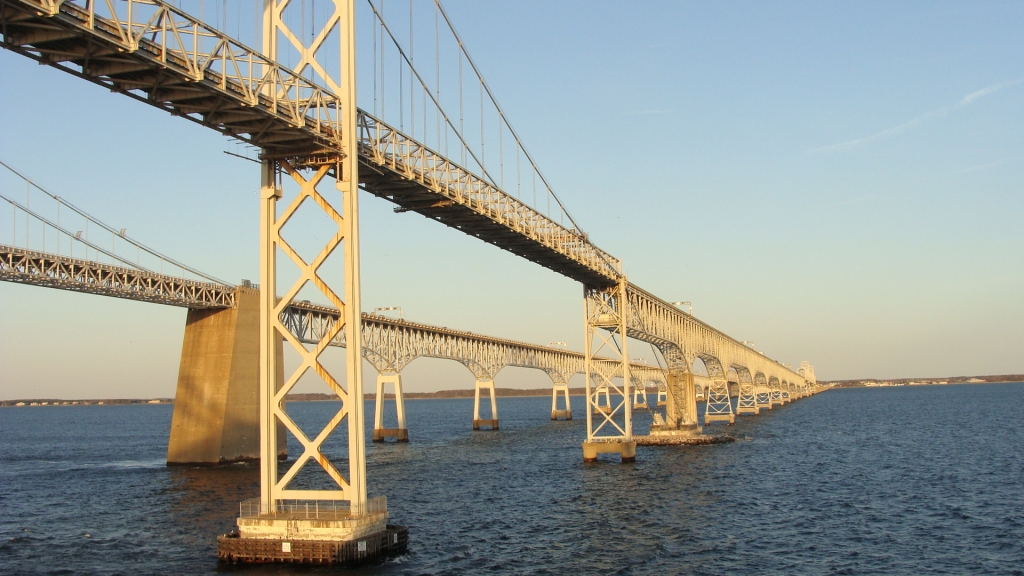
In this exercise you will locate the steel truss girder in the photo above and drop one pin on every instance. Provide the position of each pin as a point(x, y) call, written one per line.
point(66, 273)
point(153, 52)
point(390, 345)
point(658, 322)
point(410, 174)
point(147, 49)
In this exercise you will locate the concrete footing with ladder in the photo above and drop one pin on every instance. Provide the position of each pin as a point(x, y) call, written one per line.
point(216, 404)
point(313, 532)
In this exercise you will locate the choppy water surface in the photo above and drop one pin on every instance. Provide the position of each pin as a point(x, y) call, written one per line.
point(922, 480)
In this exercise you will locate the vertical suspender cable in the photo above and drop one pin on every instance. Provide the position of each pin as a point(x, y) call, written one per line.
point(437, 84)
point(375, 71)
point(412, 64)
point(501, 113)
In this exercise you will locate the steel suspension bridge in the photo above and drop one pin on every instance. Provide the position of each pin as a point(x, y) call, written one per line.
point(295, 101)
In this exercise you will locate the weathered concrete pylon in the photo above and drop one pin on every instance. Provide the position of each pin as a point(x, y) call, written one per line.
point(216, 405)
point(662, 395)
point(491, 422)
point(401, 433)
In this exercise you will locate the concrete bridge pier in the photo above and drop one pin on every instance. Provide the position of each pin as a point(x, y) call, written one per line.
point(606, 407)
point(680, 405)
point(776, 398)
point(662, 396)
point(216, 404)
point(719, 407)
point(640, 396)
point(401, 433)
point(567, 411)
point(477, 421)
point(763, 398)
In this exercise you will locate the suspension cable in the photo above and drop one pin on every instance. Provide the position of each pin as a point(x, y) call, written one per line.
point(423, 84)
point(89, 218)
point(501, 113)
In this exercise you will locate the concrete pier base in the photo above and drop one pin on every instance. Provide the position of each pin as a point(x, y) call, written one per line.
point(371, 549)
point(312, 532)
point(754, 410)
point(491, 422)
point(684, 432)
point(626, 449)
point(556, 414)
point(216, 405)
point(399, 434)
point(709, 418)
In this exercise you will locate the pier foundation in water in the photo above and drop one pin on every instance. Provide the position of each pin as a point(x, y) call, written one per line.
point(313, 532)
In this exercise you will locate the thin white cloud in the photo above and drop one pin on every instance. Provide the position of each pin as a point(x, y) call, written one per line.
point(896, 130)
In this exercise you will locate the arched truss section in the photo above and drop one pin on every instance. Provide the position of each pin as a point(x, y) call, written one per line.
point(653, 320)
point(390, 345)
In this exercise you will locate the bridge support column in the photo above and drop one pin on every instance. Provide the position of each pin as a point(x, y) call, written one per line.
point(775, 398)
point(606, 407)
point(477, 421)
point(640, 397)
point(216, 417)
point(746, 401)
point(605, 313)
point(555, 412)
point(680, 403)
point(719, 408)
point(401, 433)
point(763, 398)
point(662, 396)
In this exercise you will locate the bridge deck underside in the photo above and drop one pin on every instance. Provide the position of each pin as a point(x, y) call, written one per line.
point(413, 196)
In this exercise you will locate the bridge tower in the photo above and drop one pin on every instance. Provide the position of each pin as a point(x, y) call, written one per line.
point(609, 430)
point(345, 520)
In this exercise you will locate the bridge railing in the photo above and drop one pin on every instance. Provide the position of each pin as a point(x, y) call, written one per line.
point(311, 509)
point(163, 35)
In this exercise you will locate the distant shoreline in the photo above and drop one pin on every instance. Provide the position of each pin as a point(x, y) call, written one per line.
point(518, 393)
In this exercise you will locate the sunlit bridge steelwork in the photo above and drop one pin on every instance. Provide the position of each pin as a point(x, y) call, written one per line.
point(295, 100)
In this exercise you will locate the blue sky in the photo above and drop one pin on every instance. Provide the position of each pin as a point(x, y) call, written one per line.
point(837, 182)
